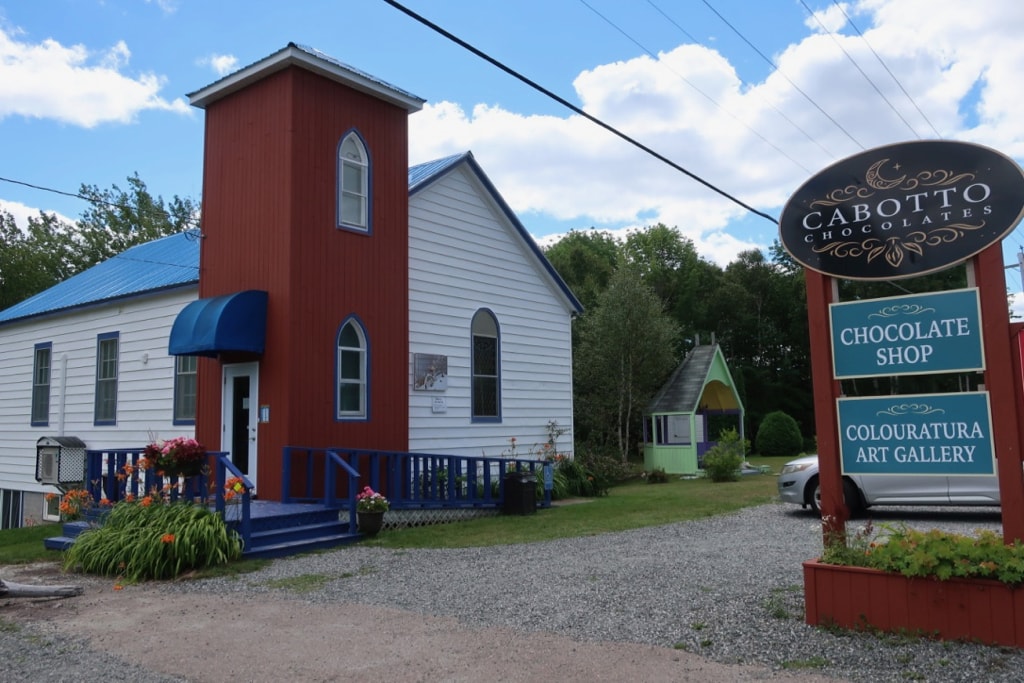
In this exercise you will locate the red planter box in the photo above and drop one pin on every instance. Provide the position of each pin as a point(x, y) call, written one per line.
point(958, 609)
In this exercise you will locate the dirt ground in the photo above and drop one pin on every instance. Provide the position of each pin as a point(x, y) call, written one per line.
point(205, 637)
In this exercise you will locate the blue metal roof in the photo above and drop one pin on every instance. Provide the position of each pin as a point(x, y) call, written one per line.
point(421, 174)
point(164, 263)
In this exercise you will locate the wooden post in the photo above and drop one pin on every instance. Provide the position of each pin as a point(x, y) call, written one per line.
point(1003, 387)
point(834, 512)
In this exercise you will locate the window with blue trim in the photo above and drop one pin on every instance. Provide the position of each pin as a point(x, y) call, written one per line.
point(486, 384)
point(352, 371)
point(105, 405)
point(353, 184)
point(41, 365)
point(185, 389)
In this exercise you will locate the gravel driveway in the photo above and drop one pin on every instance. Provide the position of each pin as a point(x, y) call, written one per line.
point(718, 599)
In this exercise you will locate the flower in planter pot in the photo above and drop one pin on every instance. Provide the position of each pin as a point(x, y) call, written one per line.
point(369, 500)
point(180, 456)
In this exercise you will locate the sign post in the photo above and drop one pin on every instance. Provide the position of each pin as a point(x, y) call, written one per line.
point(896, 212)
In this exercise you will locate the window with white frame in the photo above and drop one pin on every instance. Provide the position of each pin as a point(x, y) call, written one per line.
point(185, 389)
point(486, 368)
point(105, 404)
point(41, 364)
point(352, 371)
point(353, 184)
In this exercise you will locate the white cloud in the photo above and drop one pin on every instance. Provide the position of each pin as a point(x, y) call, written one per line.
point(72, 85)
point(757, 141)
point(221, 64)
point(166, 6)
point(22, 213)
point(830, 19)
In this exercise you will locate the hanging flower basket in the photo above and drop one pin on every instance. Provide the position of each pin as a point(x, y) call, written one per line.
point(178, 457)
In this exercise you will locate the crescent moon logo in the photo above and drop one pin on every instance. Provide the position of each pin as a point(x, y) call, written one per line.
point(875, 180)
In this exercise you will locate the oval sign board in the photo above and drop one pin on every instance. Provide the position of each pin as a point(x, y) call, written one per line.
point(903, 210)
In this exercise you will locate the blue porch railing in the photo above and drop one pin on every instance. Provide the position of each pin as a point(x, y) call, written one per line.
point(114, 475)
point(331, 477)
point(408, 480)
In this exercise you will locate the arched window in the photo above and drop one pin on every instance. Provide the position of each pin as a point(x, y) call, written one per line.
point(352, 371)
point(353, 183)
point(486, 368)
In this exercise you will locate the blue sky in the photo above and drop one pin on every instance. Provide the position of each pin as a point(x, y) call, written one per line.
point(94, 91)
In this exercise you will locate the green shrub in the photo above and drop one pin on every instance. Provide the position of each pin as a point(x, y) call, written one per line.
point(150, 539)
point(657, 476)
point(606, 470)
point(779, 434)
point(722, 462)
point(930, 554)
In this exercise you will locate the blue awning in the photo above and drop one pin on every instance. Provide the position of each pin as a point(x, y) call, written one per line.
point(233, 322)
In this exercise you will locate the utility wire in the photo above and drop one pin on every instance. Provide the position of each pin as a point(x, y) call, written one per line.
point(886, 67)
point(776, 68)
point(853, 61)
point(165, 215)
point(709, 98)
point(569, 105)
point(777, 110)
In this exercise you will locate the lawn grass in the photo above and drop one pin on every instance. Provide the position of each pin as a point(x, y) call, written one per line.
point(628, 506)
point(25, 545)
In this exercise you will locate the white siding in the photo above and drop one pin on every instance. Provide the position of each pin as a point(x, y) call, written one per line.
point(145, 389)
point(465, 255)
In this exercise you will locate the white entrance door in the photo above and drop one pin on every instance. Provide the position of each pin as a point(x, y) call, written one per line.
point(238, 416)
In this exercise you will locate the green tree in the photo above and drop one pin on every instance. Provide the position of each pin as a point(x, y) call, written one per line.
point(761, 314)
point(585, 259)
point(670, 265)
point(625, 353)
point(33, 259)
point(49, 250)
point(116, 220)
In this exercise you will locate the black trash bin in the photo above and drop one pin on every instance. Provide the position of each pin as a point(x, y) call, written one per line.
point(520, 493)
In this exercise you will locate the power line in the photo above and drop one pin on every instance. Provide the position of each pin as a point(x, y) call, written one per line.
point(764, 99)
point(709, 98)
point(776, 68)
point(886, 67)
point(853, 61)
point(569, 105)
point(160, 213)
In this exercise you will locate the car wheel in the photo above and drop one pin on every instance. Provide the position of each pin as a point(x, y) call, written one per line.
point(851, 496)
point(813, 495)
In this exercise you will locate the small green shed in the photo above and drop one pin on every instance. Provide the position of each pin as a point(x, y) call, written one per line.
point(676, 422)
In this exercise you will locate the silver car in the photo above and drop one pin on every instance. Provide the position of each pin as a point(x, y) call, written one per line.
point(798, 484)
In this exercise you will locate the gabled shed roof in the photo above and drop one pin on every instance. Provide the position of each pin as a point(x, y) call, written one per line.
point(683, 391)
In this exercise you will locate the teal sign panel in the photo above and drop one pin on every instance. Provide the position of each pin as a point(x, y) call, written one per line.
point(907, 335)
point(933, 434)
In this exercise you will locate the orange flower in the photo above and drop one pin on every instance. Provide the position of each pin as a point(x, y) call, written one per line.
point(146, 502)
point(118, 586)
point(130, 498)
point(167, 538)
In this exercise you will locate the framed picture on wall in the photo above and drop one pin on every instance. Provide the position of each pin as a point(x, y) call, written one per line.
point(429, 372)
